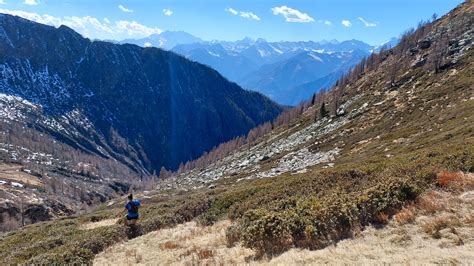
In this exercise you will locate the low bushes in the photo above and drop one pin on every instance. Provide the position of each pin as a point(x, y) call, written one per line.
point(406, 215)
point(309, 210)
point(315, 223)
point(64, 242)
point(315, 210)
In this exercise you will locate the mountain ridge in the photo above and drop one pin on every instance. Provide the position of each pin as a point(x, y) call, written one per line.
point(75, 86)
point(390, 144)
point(247, 62)
point(100, 118)
point(165, 40)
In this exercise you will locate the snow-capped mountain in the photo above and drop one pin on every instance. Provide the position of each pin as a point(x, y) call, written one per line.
point(165, 40)
point(282, 81)
point(273, 68)
point(392, 42)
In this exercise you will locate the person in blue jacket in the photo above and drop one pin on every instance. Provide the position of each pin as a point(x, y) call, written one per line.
point(132, 207)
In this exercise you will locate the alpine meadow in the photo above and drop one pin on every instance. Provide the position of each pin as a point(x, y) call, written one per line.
point(285, 134)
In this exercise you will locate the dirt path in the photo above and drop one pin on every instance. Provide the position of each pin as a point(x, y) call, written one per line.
point(438, 229)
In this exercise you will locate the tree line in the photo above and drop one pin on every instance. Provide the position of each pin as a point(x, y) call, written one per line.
point(326, 102)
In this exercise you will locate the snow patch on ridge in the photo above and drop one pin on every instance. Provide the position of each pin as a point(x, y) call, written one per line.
point(315, 57)
point(214, 54)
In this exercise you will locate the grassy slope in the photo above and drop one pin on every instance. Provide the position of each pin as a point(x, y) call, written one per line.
point(436, 228)
point(390, 154)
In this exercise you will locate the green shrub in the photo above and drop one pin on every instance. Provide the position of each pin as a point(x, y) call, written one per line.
point(267, 232)
point(314, 222)
point(310, 210)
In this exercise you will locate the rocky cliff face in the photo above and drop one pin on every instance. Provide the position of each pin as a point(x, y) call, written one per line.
point(142, 106)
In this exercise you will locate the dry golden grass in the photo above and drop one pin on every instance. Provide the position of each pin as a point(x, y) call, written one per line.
point(185, 244)
point(469, 220)
point(14, 173)
point(93, 225)
point(430, 203)
point(438, 228)
point(434, 225)
point(169, 245)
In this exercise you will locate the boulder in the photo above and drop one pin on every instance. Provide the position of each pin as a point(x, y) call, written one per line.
point(413, 51)
point(419, 61)
point(424, 44)
point(340, 111)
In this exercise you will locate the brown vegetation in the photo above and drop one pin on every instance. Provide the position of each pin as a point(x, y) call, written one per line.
point(406, 215)
point(320, 206)
point(402, 241)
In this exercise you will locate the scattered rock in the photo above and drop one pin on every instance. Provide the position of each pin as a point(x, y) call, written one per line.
point(419, 62)
point(340, 111)
point(16, 184)
point(424, 44)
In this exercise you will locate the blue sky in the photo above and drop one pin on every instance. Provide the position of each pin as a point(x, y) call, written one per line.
point(367, 20)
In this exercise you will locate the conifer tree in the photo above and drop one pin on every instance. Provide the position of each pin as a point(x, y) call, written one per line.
point(322, 111)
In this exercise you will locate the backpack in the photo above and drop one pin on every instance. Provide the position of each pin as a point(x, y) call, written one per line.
point(134, 207)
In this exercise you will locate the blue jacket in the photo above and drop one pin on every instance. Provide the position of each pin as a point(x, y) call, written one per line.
point(129, 206)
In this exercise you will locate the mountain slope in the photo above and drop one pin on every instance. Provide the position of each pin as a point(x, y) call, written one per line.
point(408, 238)
point(281, 80)
point(230, 65)
point(398, 125)
point(83, 121)
point(409, 92)
point(150, 98)
point(276, 69)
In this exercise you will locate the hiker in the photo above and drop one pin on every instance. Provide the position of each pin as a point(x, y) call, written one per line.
point(132, 207)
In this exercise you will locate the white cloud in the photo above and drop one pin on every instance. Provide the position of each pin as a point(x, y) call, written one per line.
point(325, 22)
point(133, 28)
point(292, 15)
point(366, 23)
point(346, 23)
point(249, 15)
point(244, 14)
point(89, 26)
point(232, 11)
point(2, 2)
point(167, 12)
point(124, 9)
point(84, 25)
point(31, 2)
point(147, 44)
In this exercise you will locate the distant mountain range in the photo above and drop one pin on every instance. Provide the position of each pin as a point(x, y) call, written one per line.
point(287, 72)
point(165, 40)
point(281, 80)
